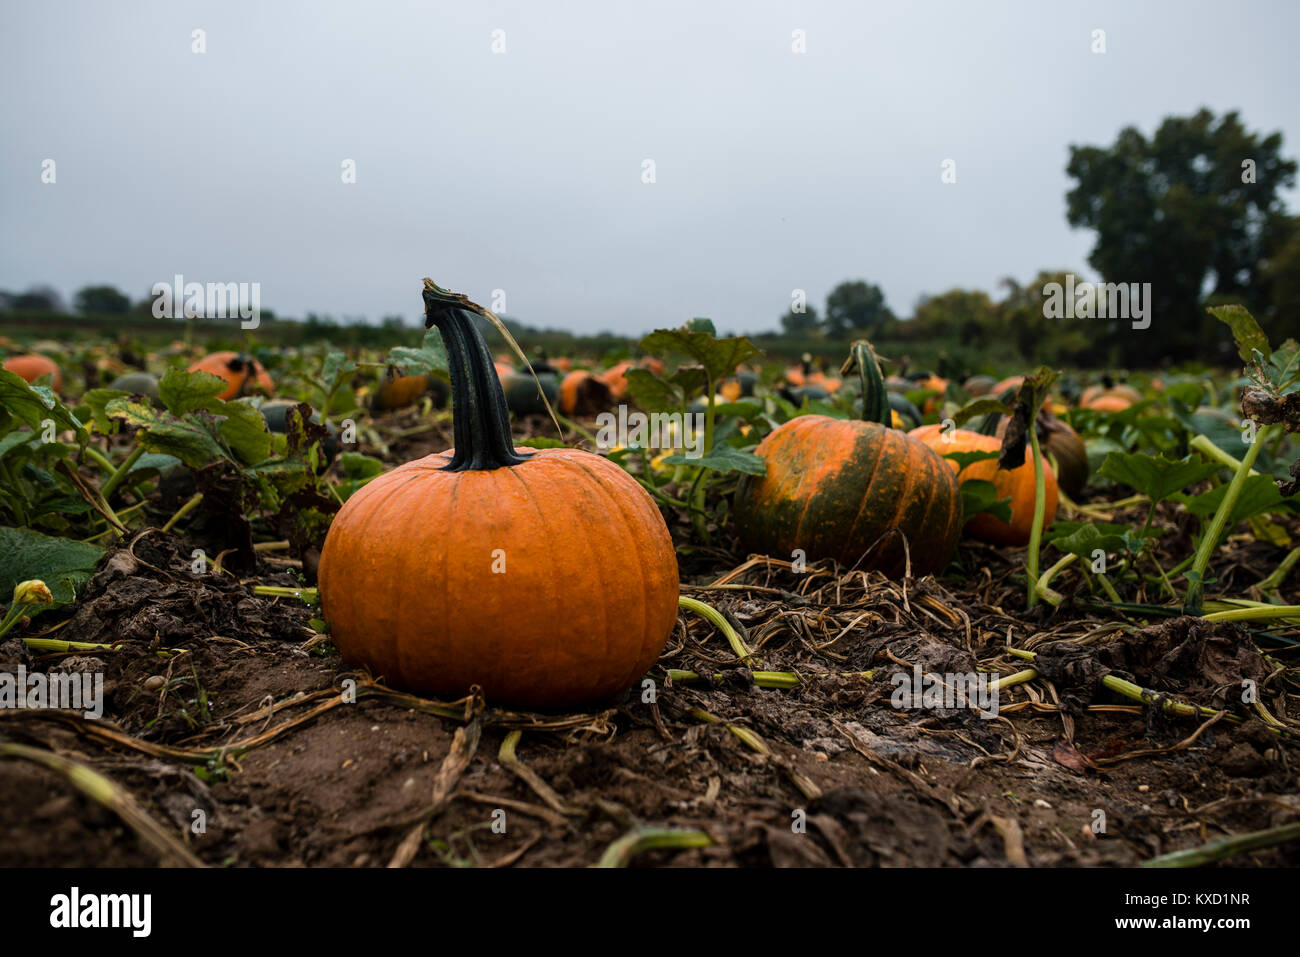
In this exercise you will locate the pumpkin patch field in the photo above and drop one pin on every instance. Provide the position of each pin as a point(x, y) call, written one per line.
point(460, 604)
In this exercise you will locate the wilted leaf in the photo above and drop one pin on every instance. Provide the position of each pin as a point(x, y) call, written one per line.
point(1250, 337)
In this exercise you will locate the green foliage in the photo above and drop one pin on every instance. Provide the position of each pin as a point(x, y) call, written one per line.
point(1155, 476)
point(64, 565)
point(1176, 210)
point(980, 495)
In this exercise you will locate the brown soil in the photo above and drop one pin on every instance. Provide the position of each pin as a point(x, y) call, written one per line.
point(230, 704)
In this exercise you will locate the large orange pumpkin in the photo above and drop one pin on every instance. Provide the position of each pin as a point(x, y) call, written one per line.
point(32, 367)
point(545, 577)
point(1016, 484)
point(851, 490)
point(243, 374)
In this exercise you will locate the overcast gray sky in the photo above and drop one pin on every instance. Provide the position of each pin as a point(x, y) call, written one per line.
point(523, 170)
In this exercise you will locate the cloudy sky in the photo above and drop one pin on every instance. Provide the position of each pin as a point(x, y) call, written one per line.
point(523, 170)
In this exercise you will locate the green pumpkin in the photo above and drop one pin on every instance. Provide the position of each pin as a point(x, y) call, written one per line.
point(907, 411)
point(524, 395)
point(137, 383)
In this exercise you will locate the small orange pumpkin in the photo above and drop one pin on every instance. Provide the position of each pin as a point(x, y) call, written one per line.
point(546, 577)
point(32, 367)
point(243, 374)
point(1017, 484)
point(397, 392)
point(937, 385)
point(616, 379)
point(1109, 396)
point(582, 393)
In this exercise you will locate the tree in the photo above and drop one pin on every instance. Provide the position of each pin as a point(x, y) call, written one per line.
point(38, 299)
point(1194, 210)
point(857, 308)
point(800, 323)
point(965, 316)
point(1283, 274)
point(102, 300)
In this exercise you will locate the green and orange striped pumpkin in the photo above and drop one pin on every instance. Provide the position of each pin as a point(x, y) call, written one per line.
point(852, 490)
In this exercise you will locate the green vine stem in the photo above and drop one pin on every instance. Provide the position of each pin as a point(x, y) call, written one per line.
point(1256, 613)
point(184, 510)
point(1211, 451)
point(715, 618)
point(769, 679)
point(1139, 694)
point(1210, 541)
point(309, 595)
point(115, 480)
point(1051, 597)
point(1040, 507)
point(621, 852)
point(1278, 575)
point(1221, 847)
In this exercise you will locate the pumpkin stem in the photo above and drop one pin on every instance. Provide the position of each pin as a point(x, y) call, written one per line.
point(875, 403)
point(480, 420)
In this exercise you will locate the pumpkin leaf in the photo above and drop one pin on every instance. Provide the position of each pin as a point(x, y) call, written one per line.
point(1155, 476)
point(964, 459)
point(1223, 434)
point(431, 356)
point(722, 458)
point(245, 431)
point(160, 431)
point(33, 405)
point(154, 462)
point(981, 495)
point(63, 564)
point(198, 438)
point(96, 400)
point(356, 465)
point(1245, 330)
point(700, 324)
point(747, 409)
point(652, 393)
point(181, 391)
point(719, 357)
point(1085, 538)
point(980, 407)
point(1259, 495)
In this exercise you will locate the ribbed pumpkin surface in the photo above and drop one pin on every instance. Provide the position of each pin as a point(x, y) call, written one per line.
point(834, 487)
point(585, 605)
